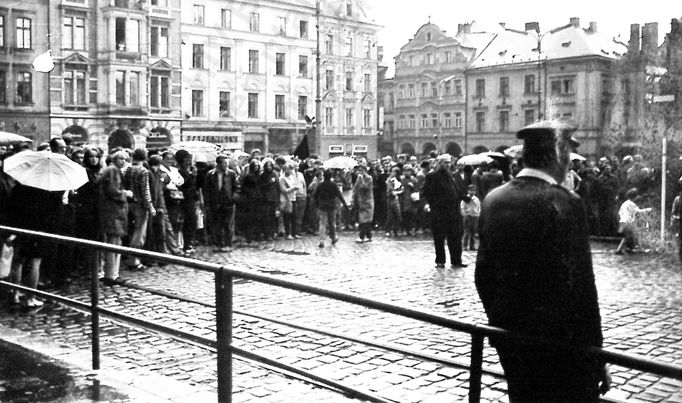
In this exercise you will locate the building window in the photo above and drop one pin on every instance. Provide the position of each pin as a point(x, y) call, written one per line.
point(329, 79)
point(458, 119)
point(504, 121)
point(74, 88)
point(197, 103)
point(349, 81)
point(282, 26)
point(366, 117)
point(411, 122)
point(122, 3)
point(504, 86)
point(349, 46)
point(368, 49)
point(2, 31)
point(349, 9)
point(410, 90)
point(134, 88)
point(253, 105)
point(198, 14)
point(434, 120)
point(562, 86)
point(253, 61)
point(159, 90)
point(401, 122)
point(226, 18)
point(529, 84)
point(127, 35)
point(302, 107)
point(528, 117)
point(447, 119)
point(159, 41)
point(329, 116)
point(225, 58)
point(349, 117)
point(425, 121)
point(480, 88)
point(3, 87)
point(425, 90)
point(458, 87)
point(447, 87)
point(448, 57)
point(429, 58)
point(401, 91)
point(160, 3)
point(368, 82)
point(279, 64)
point(254, 22)
point(480, 122)
point(303, 29)
point(197, 56)
point(73, 33)
point(279, 107)
point(329, 44)
point(119, 76)
point(434, 89)
point(224, 104)
point(411, 61)
point(302, 66)
point(23, 36)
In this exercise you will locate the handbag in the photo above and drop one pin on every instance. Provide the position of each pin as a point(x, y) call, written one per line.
point(176, 194)
point(200, 218)
point(6, 260)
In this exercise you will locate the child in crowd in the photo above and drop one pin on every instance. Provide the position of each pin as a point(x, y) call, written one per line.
point(470, 211)
point(627, 215)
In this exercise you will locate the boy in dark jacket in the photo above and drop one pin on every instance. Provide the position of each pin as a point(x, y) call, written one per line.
point(325, 197)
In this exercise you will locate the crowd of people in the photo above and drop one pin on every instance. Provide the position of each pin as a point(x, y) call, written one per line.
point(169, 202)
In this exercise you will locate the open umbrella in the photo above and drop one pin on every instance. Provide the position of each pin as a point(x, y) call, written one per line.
point(195, 147)
point(45, 170)
point(495, 155)
point(475, 159)
point(340, 163)
point(514, 151)
point(9, 138)
point(577, 157)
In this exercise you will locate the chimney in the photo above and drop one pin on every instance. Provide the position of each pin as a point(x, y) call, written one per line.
point(533, 26)
point(650, 39)
point(575, 21)
point(593, 26)
point(633, 43)
point(466, 28)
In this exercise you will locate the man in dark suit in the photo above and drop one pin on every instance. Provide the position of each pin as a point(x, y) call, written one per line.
point(534, 275)
point(443, 193)
point(219, 198)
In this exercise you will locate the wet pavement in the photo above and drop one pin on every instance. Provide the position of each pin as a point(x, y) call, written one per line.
point(640, 298)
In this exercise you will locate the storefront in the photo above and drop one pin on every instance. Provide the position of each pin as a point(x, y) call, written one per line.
point(228, 140)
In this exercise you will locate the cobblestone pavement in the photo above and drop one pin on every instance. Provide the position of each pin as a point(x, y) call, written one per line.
point(640, 297)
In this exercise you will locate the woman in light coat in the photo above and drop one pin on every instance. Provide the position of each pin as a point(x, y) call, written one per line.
point(363, 197)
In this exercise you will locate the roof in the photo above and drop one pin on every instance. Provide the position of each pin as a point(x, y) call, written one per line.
point(511, 46)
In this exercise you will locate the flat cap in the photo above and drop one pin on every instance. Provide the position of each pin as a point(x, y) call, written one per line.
point(547, 130)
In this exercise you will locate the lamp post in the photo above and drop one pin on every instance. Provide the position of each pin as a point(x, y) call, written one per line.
point(317, 127)
point(440, 98)
point(539, 49)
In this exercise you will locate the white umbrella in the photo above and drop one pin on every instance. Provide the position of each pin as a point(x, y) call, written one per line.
point(45, 170)
point(341, 162)
point(8, 138)
point(577, 157)
point(514, 151)
point(475, 159)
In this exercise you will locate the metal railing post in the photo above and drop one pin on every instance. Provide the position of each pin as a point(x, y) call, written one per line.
point(223, 296)
point(476, 367)
point(94, 310)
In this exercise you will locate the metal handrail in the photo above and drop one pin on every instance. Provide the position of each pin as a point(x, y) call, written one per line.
point(224, 311)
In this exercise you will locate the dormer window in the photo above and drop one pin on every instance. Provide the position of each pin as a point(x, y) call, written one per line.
point(349, 9)
point(428, 36)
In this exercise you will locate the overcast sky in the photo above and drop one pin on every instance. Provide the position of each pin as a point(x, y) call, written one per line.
point(402, 18)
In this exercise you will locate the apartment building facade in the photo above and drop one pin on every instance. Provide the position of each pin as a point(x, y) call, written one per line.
point(24, 107)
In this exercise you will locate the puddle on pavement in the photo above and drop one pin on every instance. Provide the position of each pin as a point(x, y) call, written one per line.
point(28, 377)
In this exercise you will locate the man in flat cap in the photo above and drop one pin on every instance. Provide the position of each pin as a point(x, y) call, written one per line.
point(443, 192)
point(534, 275)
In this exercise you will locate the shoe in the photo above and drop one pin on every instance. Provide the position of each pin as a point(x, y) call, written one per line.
point(321, 244)
point(619, 252)
point(289, 237)
point(335, 240)
point(17, 297)
point(458, 265)
point(440, 265)
point(387, 234)
point(116, 281)
point(137, 267)
point(297, 236)
point(359, 240)
point(368, 240)
point(32, 302)
point(225, 249)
